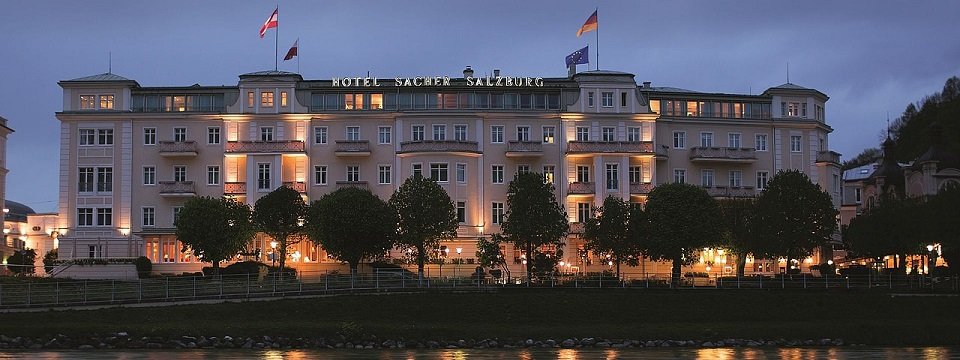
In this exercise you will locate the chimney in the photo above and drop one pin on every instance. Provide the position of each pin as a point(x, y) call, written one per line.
point(468, 72)
point(646, 84)
point(496, 72)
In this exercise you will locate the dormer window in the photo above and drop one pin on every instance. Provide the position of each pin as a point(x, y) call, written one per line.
point(266, 99)
point(106, 102)
point(606, 99)
point(87, 102)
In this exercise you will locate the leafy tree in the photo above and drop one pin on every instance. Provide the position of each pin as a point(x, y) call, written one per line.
point(913, 131)
point(280, 214)
point(794, 216)
point(534, 217)
point(21, 261)
point(489, 253)
point(943, 212)
point(49, 260)
point(609, 233)
point(425, 216)
point(889, 227)
point(352, 224)
point(216, 229)
point(682, 219)
point(739, 229)
point(867, 156)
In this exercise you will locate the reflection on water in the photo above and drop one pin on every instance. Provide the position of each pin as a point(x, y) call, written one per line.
point(924, 353)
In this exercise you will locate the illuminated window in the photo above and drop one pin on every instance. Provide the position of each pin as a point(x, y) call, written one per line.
point(250, 99)
point(106, 102)
point(549, 134)
point(692, 108)
point(549, 172)
point(266, 99)
point(180, 103)
point(376, 101)
point(87, 102)
point(283, 98)
point(655, 106)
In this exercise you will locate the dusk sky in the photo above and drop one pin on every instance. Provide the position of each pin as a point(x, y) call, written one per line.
point(870, 57)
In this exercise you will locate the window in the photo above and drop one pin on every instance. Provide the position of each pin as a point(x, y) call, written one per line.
point(461, 173)
point(792, 108)
point(439, 132)
point(795, 143)
point(106, 102)
point(706, 139)
point(496, 134)
point(84, 216)
point(736, 178)
point(460, 132)
point(417, 169)
point(623, 99)
point(353, 133)
point(680, 176)
point(549, 134)
point(803, 110)
point(266, 99)
point(762, 180)
point(213, 175)
point(523, 133)
point(87, 137)
point(836, 183)
point(105, 216)
point(179, 134)
point(606, 99)
point(857, 195)
point(263, 176)
point(607, 134)
point(496, 174)
point(384, 174)
point(679, 139)
point(376, 101)
point(149, 136)
point(250, 99)
point(461, 212)
point(549, 172)
point(523, 168)
point(176, 213)
point(353, 173)
point(85, 179)
point(283, 99)
point(320, 135)
point(584, 212)
point(320, 174)
point(417, 133)
point(761, 144)
point(439, 172)
point(148, 216)
point(583, 174)
point(497, 212)
point(384, 134)
point(105, 179)
point(733, 140)
point(105, 136)
point(633, 134)
point(266, 133)
point(213, 135)
point(636, 174)
point(706, 178)
point(87, 102)
point(590, 99)
point(583, 133)
point(179, 173)
point(613, 174)
point(149, 175)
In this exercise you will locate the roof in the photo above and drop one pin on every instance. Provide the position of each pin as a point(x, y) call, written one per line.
point(791, 86)
point(18, 212)
point(668, 89)
point(604, 72)
point(859, 173)
point(270, 73)
point(99, 77)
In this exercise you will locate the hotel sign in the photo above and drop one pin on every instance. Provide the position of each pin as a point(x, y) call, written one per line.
point(418, 81)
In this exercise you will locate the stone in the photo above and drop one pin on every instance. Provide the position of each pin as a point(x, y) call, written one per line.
point(85, 347)
point(529, 342)
point(603, 344)
point(708, 344)
point(568, 343)
point(752, 343)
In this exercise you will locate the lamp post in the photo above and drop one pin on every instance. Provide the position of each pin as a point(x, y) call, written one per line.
point(456, 270)
point(273, 253)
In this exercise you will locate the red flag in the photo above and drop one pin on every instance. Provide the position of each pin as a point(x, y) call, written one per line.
point(292, 52)
point(588, 26)
point(270, 23)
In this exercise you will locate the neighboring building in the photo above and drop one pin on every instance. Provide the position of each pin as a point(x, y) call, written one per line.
point(26, 229)
point(131, 155)
point(7, 247)
point(853, 185)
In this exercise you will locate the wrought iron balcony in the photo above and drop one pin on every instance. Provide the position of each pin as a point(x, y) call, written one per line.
point(352, 148)
point(524, 148)
point(299, 186)
point(278, 146)
point(723, 154)
point(610, 147)
point(177, 148)
point(828, 157)
point(446, 146)
point(234, 188)
point(355, 184)
point(640, 188)
point(581, 188)
point(177, 188)
point(733, 192)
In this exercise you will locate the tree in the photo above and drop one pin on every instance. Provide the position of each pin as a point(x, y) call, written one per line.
point(21, 261)
point(794, 216)
point(50, 260)
point(280, 214)
point(889, 227)
point(425, 216)
point(943, 214)
point(682, 219)
point(216, 229)
point(490, 255)
point(867, 156)
point(739, 229)
point(352, 224)
point(534, 217)
point(609, 233)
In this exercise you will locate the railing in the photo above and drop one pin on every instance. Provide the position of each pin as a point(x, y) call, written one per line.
point(524, 147)
point(469, 231)
point(356, 184)
point(234, 188)
point(722, 153)
point(263, 146)
point(299, 186)
point(176, 188)
point(353, 147)
point(439, 146)
point(577, 228)
point(581, 188)
point(723, 191)
point(641, 188)
point(828, 157)
point(633, 147)
point(177, 147)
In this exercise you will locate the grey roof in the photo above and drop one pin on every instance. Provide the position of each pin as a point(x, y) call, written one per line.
point(100, 77)
point(18, 211)
point(669, 89)
point(791, 86)
point(603, 72)
point(859, 173)
point(270, 73)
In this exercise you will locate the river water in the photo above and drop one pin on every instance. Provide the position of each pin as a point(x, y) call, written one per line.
point(560, 354)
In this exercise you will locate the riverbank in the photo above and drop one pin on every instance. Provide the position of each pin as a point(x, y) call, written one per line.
point(514, 315)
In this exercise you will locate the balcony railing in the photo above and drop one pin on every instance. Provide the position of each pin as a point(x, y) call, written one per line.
point(581, 188)
point(355, 184)
point(610, 147)
point(828, 157)
point(469, 230)
point(439, 146)
point(177, 188)
point(352, 148)
point(234, 188)
point(299, 186)
point(723, 154)
point(278, 146)
point(177, 148)
point(524, 148)
point(640, 188)
point(723, 191)
point(577, 228)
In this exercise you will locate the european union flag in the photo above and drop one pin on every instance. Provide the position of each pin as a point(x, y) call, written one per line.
point(579, 57)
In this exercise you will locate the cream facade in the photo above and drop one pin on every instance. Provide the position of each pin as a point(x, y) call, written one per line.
point(131, 155)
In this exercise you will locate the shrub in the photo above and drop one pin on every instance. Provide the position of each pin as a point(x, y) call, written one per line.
point(50, 260)
point(243, 268)
point(350, 331)
point(144, 266)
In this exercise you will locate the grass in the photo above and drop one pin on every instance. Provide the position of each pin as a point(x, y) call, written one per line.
point(860, 317)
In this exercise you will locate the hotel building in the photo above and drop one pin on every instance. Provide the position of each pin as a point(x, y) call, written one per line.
point(131, 155)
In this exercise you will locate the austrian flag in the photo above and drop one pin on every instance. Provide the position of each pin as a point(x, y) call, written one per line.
point(271, 23)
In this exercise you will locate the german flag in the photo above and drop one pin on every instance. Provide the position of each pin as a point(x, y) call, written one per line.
point(590, 25)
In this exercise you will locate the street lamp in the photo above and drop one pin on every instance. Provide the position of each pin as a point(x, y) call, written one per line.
point(456, 270)
point(273, 253)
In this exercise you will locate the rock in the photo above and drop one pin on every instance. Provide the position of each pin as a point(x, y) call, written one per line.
point(825, 342)
point(838, 342)
point(529, 342)
point(227, 338)
point(587, 342)
point(708, 344)
point(122, 334)
point(603, 344)
point(494, 343)
point(433, 344)
point(550, 343)
point(248, 344)
point(85, 347)
point(36, 346)
point(752, 343)
point(187, 339)
point(568, 343)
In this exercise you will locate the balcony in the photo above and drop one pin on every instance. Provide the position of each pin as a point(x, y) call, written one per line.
point(264, 147)
point(581, 188)
point(439, 146)
point(234, 188)
point(610, 147)
point(828, 157)
point(524, 149)
point(176, 188)
point(469, 230)
point(299, 186)
point(722, 154)
point(177, 148)
point(577, 228)
point(731, 192)
point(354, 184)
point(352, 148)
point(640, 188)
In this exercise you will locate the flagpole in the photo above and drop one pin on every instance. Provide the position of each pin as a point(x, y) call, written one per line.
point(276, 42)
point(597, 10)
point(298, 55)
